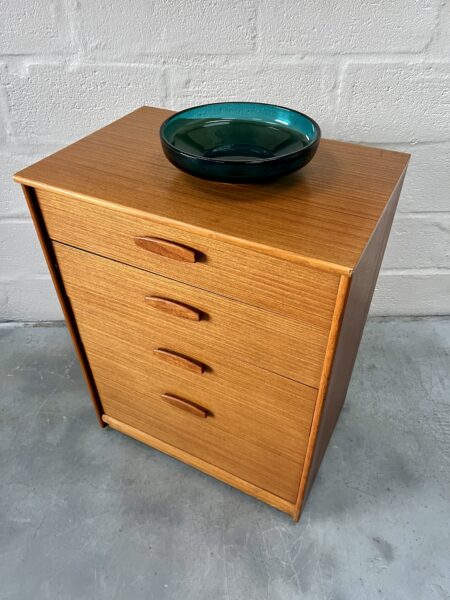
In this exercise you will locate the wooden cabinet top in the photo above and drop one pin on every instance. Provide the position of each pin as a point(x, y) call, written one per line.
point(322, 215)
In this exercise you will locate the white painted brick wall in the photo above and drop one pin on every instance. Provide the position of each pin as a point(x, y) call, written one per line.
point(394, 101)
point(135, 28)
point(370, 72)
point(347, 26)
point(307, 85)
point(76, 99)
point(32, 26)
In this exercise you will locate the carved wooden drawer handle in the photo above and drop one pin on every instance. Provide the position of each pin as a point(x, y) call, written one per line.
point(179, 360)
point(177, 309)
point(166, 248)
point(194, 409)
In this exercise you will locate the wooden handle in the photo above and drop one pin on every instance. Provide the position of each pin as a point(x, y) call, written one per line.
point(177, 309)
point(166, 249)
point(179, 360)
point(194, 409)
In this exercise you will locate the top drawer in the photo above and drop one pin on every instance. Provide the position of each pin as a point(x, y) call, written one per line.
point(296, 290)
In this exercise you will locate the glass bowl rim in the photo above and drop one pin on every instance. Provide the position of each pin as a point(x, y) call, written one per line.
point(244, 161)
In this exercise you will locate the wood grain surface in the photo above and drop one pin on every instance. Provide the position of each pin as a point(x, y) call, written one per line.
point(323, 214)
point(50, 259)
point(174, 308)
point(274, 283)
point(296, 290)
point(201, 465)
point(258, 422)
point(319, 414)
point(251, 403)
point(186, 405)
point(166, 248)
point(354, 317)
point(179, 360)
point(229, 329)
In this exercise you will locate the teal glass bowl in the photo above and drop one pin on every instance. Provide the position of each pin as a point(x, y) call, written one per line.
point(239, 142)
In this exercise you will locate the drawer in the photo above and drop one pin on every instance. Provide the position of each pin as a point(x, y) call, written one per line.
point(257, 423)
point(298, 291)
point(227, 329)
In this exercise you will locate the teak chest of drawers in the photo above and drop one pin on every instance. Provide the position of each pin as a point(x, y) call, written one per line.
point(217, 323)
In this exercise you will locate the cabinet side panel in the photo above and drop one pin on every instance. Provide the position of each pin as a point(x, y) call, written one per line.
point(354, 318)
point(52, 264)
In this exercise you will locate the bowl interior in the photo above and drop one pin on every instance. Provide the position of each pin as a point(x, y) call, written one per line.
point(239, 131)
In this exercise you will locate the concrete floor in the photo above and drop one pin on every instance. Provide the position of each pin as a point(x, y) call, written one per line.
point(90, 514)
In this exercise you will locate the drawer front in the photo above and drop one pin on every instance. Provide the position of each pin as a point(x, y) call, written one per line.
point(256, 425)
point(226, 329)
point(302, 292)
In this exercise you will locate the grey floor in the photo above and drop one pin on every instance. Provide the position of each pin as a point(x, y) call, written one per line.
point(90, 514)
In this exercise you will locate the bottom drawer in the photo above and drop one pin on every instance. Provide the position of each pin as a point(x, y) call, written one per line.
point(257, 423)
